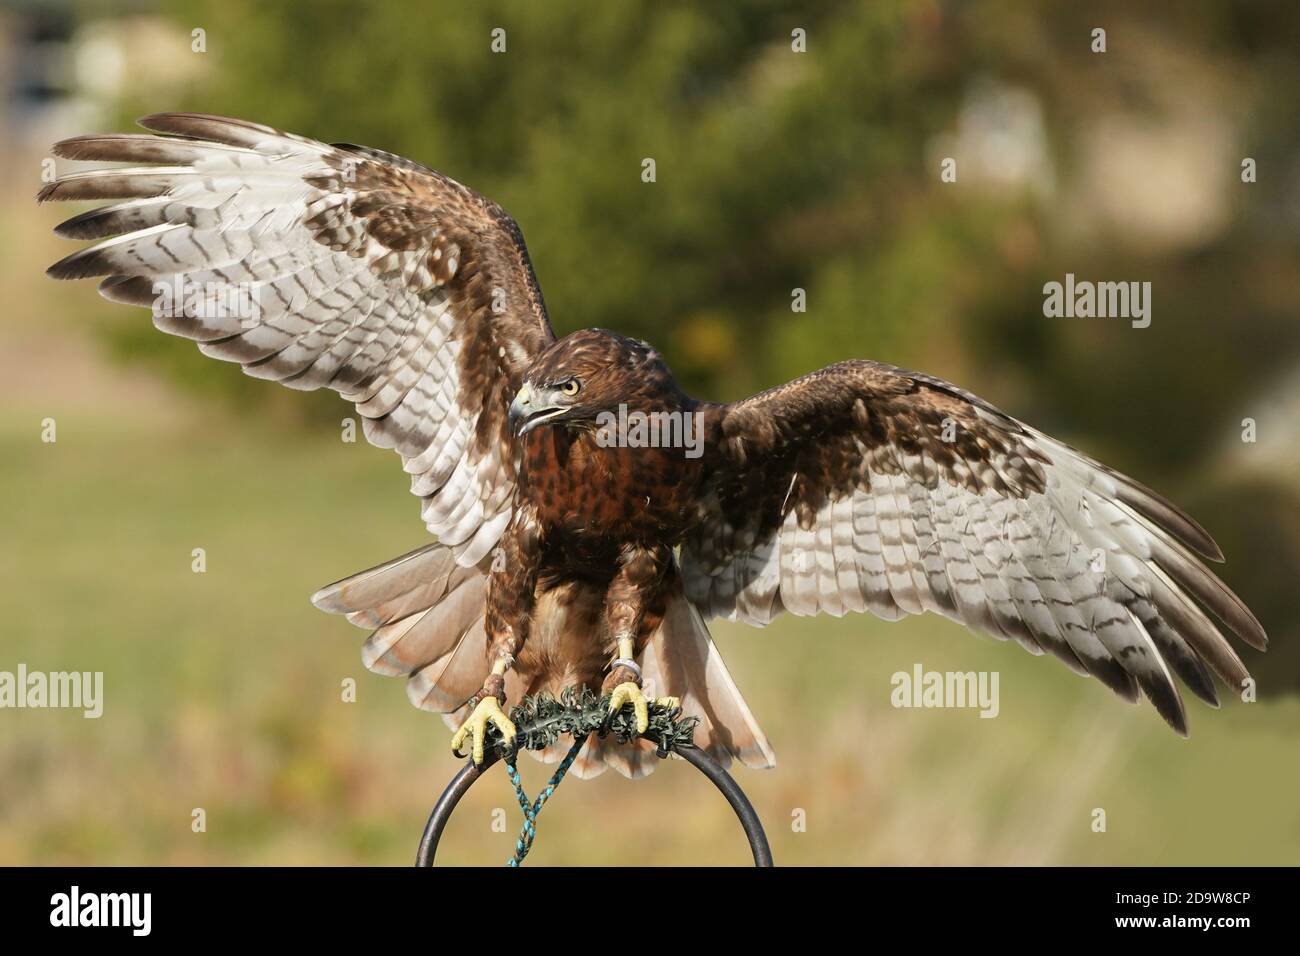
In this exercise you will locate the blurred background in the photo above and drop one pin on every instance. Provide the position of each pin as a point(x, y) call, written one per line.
point(776, 170)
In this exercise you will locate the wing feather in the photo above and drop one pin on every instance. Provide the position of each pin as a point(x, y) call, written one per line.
point(865, 487)
point(360, 271)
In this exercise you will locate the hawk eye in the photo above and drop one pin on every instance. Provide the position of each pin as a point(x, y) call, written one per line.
point(571, 387)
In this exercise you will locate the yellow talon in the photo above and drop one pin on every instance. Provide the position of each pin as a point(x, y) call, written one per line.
point(487, 710)
point(630, 693)
point(668, 703)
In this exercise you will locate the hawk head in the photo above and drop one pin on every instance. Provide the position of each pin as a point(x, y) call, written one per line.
point(589, 372)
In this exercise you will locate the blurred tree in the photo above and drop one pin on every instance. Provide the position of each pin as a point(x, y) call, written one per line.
point(775, 169)
point(779, 170)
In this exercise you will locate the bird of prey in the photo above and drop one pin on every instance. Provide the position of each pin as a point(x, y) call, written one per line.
point(568, 553)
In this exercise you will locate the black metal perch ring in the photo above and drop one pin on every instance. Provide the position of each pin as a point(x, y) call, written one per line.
point(461, 783)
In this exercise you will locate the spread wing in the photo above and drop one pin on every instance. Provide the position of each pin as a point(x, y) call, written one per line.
point(865, 487)
point(328, 266)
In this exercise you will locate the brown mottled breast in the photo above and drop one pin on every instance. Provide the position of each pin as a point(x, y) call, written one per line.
point(610, 495)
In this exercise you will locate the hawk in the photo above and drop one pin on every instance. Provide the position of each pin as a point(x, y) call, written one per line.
point(568, 554)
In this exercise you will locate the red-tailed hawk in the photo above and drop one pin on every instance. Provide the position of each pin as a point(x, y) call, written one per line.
point(568, 552)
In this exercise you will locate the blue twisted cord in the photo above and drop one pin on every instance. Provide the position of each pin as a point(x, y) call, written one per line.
point(531, 809)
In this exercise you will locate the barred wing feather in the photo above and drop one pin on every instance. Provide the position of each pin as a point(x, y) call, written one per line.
point(406, 292)
point(863, 487)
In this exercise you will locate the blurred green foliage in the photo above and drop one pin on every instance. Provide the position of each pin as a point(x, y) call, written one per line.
point(774, 170)
point(778, 170)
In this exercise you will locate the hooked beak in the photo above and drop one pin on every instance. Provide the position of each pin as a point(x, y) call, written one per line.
point(527, 411)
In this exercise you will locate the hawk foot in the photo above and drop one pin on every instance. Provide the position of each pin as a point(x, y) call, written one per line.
point(488, 710)
point(630, 693)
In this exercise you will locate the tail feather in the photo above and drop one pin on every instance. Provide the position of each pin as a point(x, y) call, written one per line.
point(360, 593)
point(448, 682)
point(681, 660)
point(427, 612)
point(420, 598)
point(413, 642)
point(634, 760)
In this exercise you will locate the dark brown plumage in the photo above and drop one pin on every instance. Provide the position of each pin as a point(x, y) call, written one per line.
point(857, 487)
